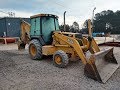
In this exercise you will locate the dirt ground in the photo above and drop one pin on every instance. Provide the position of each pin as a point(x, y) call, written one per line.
point(19, 72)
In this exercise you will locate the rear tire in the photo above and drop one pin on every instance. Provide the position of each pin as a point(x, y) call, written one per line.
point(60, 59)
point(35, 49)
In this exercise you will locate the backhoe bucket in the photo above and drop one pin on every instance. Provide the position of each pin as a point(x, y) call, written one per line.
point(101, 65)
point(21, 46)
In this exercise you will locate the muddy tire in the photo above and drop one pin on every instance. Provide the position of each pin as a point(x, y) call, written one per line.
point(35, 49)
point(60, 59)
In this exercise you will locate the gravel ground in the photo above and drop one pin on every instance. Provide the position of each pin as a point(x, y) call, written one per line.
point(19, 72)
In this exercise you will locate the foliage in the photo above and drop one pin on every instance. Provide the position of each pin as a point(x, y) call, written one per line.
point(67, 27)
point(107, 21)
point(73, 28)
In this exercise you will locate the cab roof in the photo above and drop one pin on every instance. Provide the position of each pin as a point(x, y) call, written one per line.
point(44, 15)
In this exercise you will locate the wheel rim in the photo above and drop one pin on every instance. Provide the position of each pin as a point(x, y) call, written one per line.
point(33, 50)
point(58, 59)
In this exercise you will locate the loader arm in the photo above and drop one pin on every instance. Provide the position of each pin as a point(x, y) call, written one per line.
point(72, 42)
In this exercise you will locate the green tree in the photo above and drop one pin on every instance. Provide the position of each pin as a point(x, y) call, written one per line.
point(107, 21)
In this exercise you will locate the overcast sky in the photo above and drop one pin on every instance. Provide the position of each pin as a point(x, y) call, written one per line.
point(77, 10)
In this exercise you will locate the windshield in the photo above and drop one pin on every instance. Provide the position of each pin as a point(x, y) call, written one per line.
point(49, 25)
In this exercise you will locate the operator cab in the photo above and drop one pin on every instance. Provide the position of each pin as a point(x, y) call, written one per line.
point(42, 26)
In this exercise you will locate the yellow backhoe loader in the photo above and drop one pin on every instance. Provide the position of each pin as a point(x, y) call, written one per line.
point(46, 39)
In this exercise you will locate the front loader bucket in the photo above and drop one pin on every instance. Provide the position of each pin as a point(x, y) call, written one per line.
point(101, 65)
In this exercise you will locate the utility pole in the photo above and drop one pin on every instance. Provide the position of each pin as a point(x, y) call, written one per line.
point(93, 14)
point(93, 19)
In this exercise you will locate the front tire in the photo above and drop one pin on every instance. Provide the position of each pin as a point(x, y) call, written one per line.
point(35, 49)
point(60, 59)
